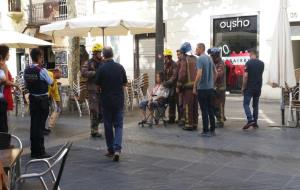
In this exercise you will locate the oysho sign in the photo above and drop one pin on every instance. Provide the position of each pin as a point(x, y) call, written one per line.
point(236, 24)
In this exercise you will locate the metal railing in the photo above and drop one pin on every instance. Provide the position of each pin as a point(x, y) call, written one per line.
point(47, 12)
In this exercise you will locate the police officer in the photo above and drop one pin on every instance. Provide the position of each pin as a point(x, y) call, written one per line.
point(88, 71)
point(37, 81)
point(220, 86)
point(170, 72)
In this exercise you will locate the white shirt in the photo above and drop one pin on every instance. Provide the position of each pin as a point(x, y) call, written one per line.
point(159, 91)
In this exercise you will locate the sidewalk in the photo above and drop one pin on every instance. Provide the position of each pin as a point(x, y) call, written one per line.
point(170, 158)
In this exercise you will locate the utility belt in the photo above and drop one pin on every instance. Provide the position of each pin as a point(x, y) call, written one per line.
point(221, 88)
point(188, 85)
point(39, 96)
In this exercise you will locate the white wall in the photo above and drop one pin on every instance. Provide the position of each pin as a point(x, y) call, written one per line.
point(190, 20)
point(8, 24)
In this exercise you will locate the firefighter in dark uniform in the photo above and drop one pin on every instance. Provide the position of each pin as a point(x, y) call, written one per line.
point(170, 72)
point(37, 82)
point(186, 78)
point(88, 71)
point(179, 99)
point(220, 86)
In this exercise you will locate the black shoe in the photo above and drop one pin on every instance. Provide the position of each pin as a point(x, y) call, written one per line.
point(96, 135)
point(46, 131)
point(212, 133)
point(188, 128)
point(248, 125)
point(42, 156)
point(181, 123)
point(116, 157)
point(109, 154)
point(219, 125)
point(171, 121)
point(205, 134)
point(255, 126)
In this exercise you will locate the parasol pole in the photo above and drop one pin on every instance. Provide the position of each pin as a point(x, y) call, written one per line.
point(103, 35)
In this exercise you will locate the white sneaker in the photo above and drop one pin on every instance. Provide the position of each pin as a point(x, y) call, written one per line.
point(116, 157)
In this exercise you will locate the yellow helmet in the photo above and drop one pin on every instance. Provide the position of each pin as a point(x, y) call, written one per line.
point(97, 47)
point(168, 52)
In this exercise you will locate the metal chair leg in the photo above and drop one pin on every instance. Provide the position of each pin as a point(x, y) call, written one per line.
point(78, 107)
point(44, 183)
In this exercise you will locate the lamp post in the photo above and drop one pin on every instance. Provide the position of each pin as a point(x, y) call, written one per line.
point(159, 37)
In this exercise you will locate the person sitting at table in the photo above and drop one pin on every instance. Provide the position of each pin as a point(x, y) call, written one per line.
point(155, 99)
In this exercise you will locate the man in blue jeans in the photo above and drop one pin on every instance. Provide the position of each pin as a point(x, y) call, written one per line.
point(204, 87)
point(111, 78)
point(251, 89)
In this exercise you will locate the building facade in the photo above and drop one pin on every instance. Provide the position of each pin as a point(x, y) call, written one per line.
point(232, 25)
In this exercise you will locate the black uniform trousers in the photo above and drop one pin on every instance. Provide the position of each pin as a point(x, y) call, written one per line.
point(3, 116)
point(39, 111)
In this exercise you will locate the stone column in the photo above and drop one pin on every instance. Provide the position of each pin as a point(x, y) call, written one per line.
point(74, 48)
point(73, 59)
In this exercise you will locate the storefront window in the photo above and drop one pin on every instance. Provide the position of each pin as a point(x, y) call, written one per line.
point(14, 5)
point(235, 35)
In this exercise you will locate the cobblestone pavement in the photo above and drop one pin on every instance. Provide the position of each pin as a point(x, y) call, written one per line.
point(170, 158)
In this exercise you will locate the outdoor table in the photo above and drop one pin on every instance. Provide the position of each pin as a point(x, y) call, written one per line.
point(10, 159)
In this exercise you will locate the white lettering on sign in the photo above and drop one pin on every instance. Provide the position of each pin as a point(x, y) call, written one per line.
point(237, 23)
point(237, 60)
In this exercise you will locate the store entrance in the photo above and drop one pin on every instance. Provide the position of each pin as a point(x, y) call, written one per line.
point(296, 50)
point(235, 35)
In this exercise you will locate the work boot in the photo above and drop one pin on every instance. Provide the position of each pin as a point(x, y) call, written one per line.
point(171, 121)
point(181, 123)
point(188, 128)
point(220, 124)
point(96, 135)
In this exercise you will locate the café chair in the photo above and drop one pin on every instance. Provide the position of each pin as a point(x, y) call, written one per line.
point(59, 157)
point(6, 141)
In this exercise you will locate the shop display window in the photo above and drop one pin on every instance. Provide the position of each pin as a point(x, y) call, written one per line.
point(235, 35)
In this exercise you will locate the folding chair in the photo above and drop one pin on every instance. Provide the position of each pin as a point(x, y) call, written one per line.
point(159, 114)
point(293, 106)
point(19, 95)
point(76, 95)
